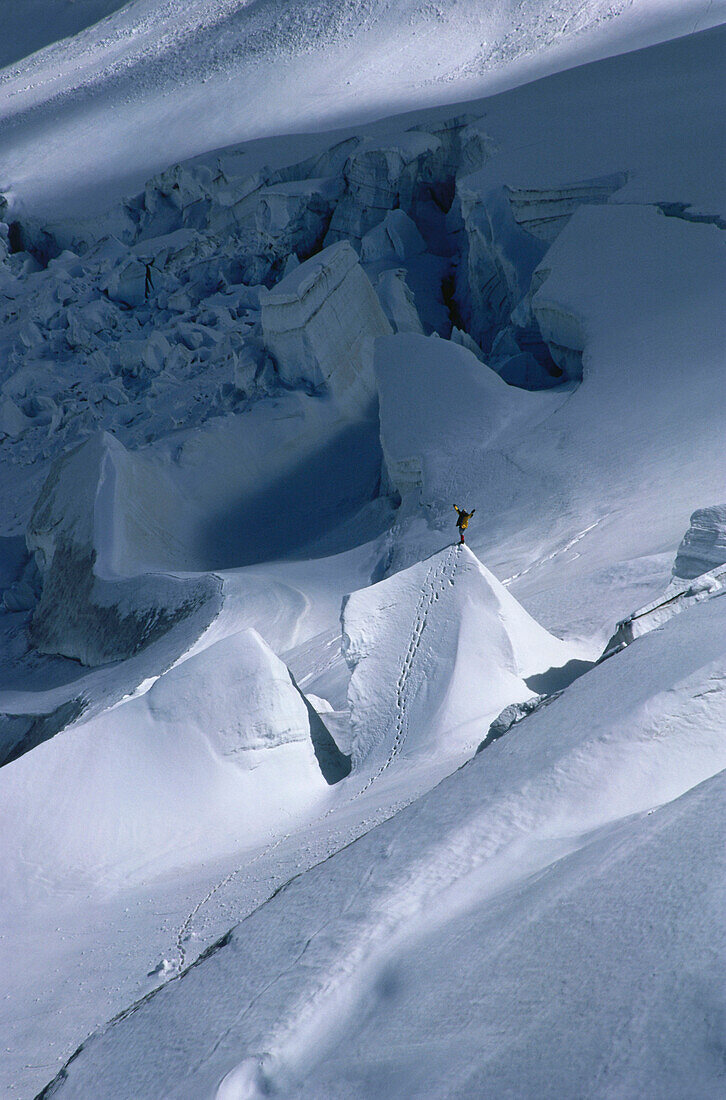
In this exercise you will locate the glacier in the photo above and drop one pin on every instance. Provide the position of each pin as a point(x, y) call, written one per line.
point(299, 795)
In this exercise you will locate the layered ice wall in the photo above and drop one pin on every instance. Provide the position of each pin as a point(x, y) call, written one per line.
point(704, 543)
point(507, 230)
point(319, 322)
point(384, 176)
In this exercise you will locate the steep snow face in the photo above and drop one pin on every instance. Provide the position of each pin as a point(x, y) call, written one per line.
point(116, 534)
point(666, 298)
point(437, 651)
point(111, 502)
point(647, 321)
point(155, 83)
point(218, 752)
point(438, 403)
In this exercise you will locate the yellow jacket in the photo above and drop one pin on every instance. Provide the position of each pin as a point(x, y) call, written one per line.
point(463, 521)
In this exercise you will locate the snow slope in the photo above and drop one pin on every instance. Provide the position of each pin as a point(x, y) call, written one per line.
point(548, 921)
point(29, 25)
point(152, 83)
point(219, 764)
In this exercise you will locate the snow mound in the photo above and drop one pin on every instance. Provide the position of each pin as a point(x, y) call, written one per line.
point(534, 867)
point(437, 651)
point(222, 749)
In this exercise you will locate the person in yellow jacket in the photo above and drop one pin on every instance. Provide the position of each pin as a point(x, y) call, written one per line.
point(462, 521)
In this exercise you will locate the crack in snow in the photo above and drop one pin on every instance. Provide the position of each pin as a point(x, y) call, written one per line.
point(554, 554)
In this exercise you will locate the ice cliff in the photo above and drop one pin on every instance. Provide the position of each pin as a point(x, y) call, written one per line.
point(98, 523)
point(319, 323)
point(704, 543)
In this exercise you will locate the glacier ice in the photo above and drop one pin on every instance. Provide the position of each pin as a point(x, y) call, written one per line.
point(505, 232)
point(396, 238)
point(397, 301)
point(318, 321)
point(704, 543)
point(379, 178)
point(99, 520)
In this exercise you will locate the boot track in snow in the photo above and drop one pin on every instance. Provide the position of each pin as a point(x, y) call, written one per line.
point(439, 574)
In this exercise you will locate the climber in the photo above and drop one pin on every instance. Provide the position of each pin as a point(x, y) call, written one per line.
point(463, 520)
point(149, 284)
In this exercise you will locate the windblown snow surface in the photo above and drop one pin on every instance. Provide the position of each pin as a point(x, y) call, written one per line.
point(300, 797)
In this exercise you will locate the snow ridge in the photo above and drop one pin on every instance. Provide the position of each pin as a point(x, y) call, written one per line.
point(441, 571)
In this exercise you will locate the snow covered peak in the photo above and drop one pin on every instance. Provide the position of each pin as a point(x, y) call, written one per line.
point(437, 651)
